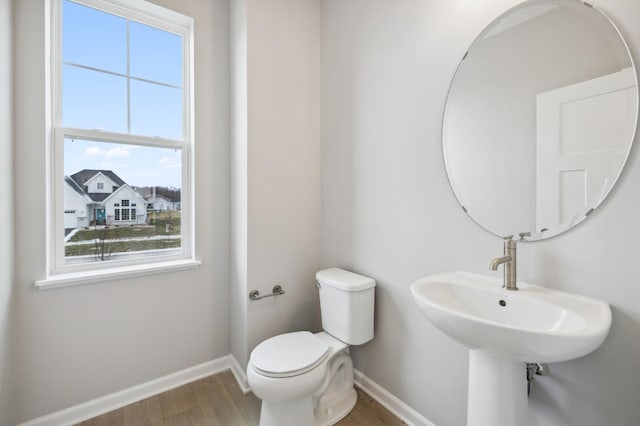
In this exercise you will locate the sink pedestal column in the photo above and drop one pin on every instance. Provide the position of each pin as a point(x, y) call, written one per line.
point(497, 390)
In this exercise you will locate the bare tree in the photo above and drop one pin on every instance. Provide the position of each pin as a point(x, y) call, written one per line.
point(102, 249)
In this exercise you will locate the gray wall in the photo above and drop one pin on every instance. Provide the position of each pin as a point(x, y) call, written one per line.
point(388, 213)
point(82, 342)
point(283, 164)
point(275, 168)
point(6, 214)
point(239, 169)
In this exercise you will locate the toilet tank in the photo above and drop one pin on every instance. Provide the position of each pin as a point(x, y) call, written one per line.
point(346, 305)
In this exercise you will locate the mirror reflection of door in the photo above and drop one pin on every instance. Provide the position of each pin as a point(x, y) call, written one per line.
point(580, 145)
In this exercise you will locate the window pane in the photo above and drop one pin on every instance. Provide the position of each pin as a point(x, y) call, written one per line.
point(156, 110)
point(93, 38)
point(155, 54)
point(105, 224)
point(94, 100)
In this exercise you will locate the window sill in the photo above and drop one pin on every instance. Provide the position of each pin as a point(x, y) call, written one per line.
point(90, 277)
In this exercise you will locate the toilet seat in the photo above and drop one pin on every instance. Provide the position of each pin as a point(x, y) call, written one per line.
point(289, 354)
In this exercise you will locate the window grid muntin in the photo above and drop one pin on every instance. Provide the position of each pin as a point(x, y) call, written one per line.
point(128, 77)
point(119, 74)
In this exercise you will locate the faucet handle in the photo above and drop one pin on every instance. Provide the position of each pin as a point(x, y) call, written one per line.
point(509, 244)
point(523, 235)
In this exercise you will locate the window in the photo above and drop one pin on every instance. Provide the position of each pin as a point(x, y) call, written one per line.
point(122, 96)
point(125, 214)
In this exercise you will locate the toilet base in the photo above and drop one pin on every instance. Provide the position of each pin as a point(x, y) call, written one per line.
point(330, 413)
point(300, 412)
point(291, 413)
point(339, 397)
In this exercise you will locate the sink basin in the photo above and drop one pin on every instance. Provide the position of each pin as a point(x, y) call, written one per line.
point(533, 324)
point(504, 330)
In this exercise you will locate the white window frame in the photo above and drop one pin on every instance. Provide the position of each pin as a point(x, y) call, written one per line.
point(60, 272)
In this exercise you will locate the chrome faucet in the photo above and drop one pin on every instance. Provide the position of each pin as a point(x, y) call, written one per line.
point(509, 261)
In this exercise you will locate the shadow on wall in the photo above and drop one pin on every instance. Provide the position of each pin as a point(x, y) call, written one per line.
point(555, 396)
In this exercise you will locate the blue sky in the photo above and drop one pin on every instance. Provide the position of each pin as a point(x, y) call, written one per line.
point(147, 100)
point(136, 165)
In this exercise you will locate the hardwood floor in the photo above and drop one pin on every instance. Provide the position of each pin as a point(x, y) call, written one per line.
point(218, 401)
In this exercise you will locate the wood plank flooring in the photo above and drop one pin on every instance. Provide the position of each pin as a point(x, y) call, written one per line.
point(218, 401)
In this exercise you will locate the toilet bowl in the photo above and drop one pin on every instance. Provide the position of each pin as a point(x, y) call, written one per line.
point(306, 379)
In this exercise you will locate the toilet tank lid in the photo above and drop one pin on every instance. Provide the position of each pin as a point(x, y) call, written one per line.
point(344, 280)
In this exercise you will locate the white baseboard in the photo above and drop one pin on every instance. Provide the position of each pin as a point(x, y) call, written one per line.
point(95, 407)
point(390, 401)
point(240, 375)
point(98, 406)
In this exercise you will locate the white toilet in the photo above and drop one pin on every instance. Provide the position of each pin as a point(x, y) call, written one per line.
point(306, 379)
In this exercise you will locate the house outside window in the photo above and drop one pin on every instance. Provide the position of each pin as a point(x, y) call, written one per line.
point(122, 95)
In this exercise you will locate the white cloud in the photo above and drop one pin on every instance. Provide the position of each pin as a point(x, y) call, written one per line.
point(118, 151)
point(169, 163)
point(93, 151)
point(116, 167)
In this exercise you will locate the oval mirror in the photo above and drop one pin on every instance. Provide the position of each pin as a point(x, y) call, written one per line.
point(540, 118)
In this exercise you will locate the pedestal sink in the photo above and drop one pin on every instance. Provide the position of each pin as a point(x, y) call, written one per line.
point(506, 329)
